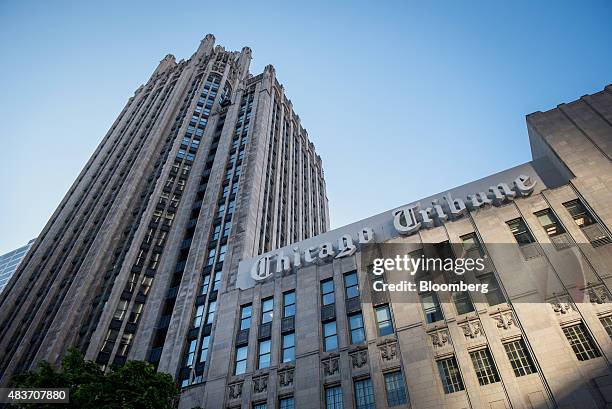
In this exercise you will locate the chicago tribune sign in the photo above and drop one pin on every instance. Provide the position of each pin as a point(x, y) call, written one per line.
point(406, 220)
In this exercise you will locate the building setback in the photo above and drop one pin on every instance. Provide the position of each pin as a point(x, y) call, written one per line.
point(302, 327)
point(10, 261)
point(206, 165)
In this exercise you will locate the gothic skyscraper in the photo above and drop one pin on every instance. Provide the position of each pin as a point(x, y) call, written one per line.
point(205, 166)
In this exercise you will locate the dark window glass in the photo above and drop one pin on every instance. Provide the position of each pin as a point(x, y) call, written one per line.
point(327, 292)
point(267, 310)
point(462, 302)
point(356, 328)
point(450, 375)
point(581, 342)
point(579, 213)
point(245, 316)
point(330, 337)
point(289, 304)
point(550, 223)
point(351, 285)
point(364, 394)
point(494, 293)
point(485, 369)
point(431, 307)
point(383, 320)
point(521, 233)
point(396, 389)
point(519, 357)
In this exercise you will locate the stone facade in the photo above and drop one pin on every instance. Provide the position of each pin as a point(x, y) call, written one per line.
point(140, 262)
point(571, 151)
point(206, 165)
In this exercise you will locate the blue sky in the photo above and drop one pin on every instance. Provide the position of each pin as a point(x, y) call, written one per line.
point(402, 99)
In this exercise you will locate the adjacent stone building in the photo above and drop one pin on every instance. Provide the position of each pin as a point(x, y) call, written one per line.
point(303, 327)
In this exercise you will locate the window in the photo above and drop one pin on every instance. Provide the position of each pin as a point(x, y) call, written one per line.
point(259, 406)
point(286, 403)
point(579, 212)
point(333, 398)
point(383, 320)
point(190, 353)
point(449, 373)
point(245, 316)
point(121, 310)
point(519, 358)
point(330, 336)
point(197, 319)
point(205, 284)
point(550, 223)
point(136, 311)
point(212, 308)
point(204, 348)
point(241, 360)
point(356, 328)
point(607, 324)
point(124, 344)
point(431, 307)
point(211, 257)
point(217, 281)
point(327, 292)
point(581, 342)
point(154, 261)
point(494, 293)
point(263, 358)
point(471, 245)
point(227, 229)
point(364, 394)
point(267, 310)
point(289, 304)
point(145, 284)
point(462, 302)
point(288, 347)
point(216, 232)
point(351, 285)
point(486, 372)
point(222, 251)
point(396, 390)
point(109, 341)
point(522, 235)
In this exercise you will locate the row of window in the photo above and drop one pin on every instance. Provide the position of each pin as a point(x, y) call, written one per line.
point(363, 392)
point(553, 227)
point(204, 314)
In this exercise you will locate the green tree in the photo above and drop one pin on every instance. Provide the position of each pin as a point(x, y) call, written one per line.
point(135, 385)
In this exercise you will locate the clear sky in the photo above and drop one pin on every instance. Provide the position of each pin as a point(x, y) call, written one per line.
point(402, 99)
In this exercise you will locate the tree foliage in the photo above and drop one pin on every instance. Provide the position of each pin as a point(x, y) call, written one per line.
point(135, 385)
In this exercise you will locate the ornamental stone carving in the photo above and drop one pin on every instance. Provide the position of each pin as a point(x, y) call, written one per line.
point(504, 320)
point(562, 304)
point(330, 365)
point(471, 329)
point(388, 349)
point(359, 358)
point(260, 384)
point(597, 293)
point(234, 390)
point(285, 377)
point(440, 338)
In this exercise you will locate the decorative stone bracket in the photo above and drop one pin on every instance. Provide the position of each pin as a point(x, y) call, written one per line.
point(388, 349)
point(331, 365)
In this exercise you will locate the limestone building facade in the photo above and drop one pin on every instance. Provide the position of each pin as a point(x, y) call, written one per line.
point(205, 165)
point(304, 328)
